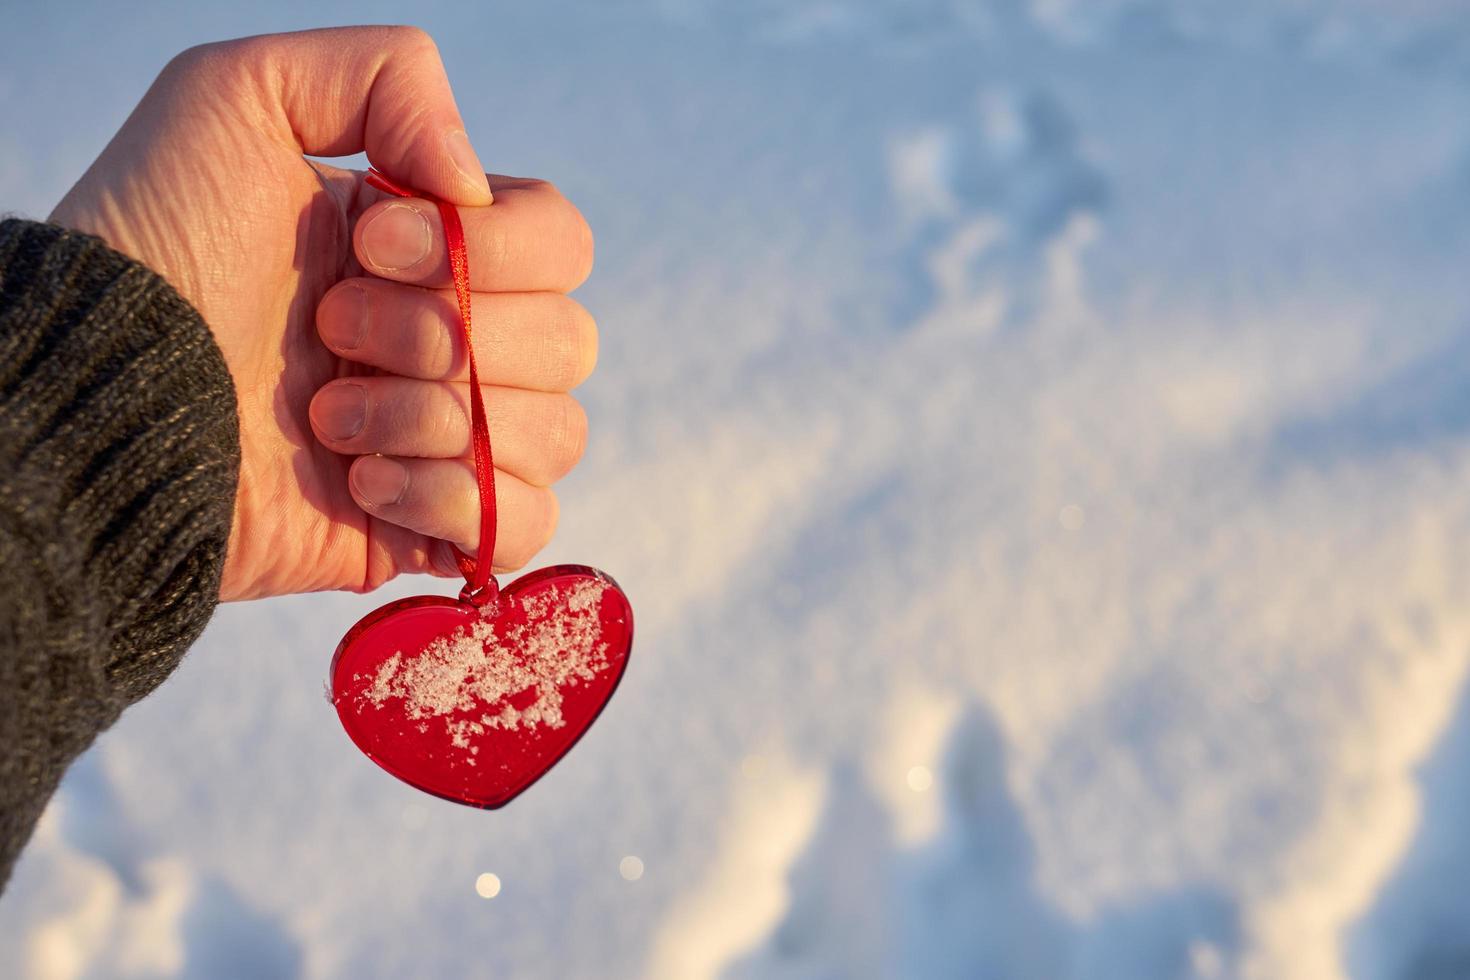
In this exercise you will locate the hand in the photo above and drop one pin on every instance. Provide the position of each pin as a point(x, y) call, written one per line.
point(207, 183)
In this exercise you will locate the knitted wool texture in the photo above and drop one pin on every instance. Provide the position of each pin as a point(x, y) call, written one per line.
point(119, 460)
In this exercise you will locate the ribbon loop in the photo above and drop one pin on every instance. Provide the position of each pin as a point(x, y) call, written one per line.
point(475, 570)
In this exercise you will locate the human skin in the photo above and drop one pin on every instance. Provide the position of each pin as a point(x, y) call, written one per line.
point(331, 302)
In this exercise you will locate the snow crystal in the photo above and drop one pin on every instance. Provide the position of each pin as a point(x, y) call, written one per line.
point(474, 670)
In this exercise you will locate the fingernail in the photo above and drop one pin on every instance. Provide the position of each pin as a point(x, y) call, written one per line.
point(339, 410)
point(344, 324)
point(396, 238)
point(466, 161)
point(379, 480)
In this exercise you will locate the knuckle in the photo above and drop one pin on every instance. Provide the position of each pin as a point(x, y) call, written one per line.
point(571, 346)
point(568, 435)
point(497, 249)
point(537, 525)
point(202, 61)
point(469, 520)
point(543, 524)
point(551, 515)
point(212, 52)
point(186, 62)
point(434, 420)
point(577, 235)
point(587, 342)
point(252, 69)
point(414, 39)
point(584, 249)
point(438, 342)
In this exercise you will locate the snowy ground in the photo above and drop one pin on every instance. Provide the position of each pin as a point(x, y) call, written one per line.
point(1036, 439)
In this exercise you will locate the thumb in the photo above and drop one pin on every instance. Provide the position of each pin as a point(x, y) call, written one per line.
point(381, 89)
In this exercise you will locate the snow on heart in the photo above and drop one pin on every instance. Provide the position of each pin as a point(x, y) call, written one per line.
point(471, 669)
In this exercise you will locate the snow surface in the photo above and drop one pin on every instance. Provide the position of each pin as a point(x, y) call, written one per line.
point(1070, 398)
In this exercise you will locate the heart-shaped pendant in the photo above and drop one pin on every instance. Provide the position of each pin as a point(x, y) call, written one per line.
point(475, 703)
point(474, 699)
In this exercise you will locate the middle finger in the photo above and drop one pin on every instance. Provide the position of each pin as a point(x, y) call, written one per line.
point(541, 341)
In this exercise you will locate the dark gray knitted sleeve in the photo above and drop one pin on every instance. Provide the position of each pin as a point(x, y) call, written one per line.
point(119, 457)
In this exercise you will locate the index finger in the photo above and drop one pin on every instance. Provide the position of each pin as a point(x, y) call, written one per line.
point(532, 239)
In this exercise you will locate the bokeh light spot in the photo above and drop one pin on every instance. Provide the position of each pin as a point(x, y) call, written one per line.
point(631, 868)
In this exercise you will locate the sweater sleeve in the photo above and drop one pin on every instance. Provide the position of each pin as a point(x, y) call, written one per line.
point(119, 459)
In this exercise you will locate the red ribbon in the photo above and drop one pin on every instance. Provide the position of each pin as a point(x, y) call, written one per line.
point(475, 570)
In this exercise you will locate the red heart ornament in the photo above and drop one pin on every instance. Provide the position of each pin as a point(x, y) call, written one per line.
point(476, 703)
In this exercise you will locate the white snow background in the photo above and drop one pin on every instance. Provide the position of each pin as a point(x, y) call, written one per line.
point(1036, 440)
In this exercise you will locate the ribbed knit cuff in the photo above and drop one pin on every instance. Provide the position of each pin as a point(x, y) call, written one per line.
point(119, 444)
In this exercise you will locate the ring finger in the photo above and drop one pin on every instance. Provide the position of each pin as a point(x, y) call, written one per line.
point(535, 435)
